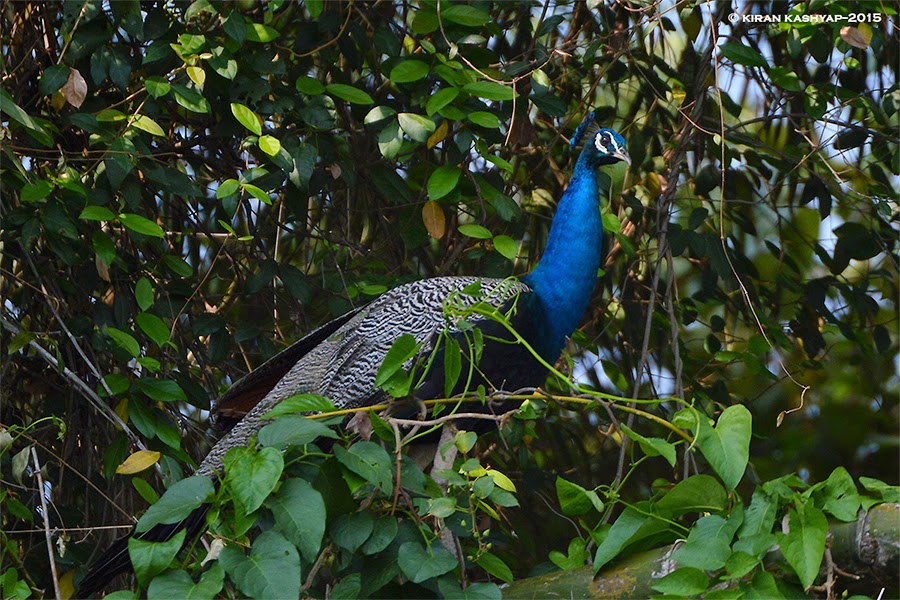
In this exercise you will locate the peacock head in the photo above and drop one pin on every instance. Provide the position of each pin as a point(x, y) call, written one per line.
point(602, 146)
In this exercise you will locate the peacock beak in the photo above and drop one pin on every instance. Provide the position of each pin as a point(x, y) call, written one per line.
point(622, 155)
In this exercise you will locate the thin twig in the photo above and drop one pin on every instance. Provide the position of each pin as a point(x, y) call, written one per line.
point(45, 514)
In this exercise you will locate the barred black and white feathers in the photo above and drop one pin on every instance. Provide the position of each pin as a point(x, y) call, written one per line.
point(343, 365)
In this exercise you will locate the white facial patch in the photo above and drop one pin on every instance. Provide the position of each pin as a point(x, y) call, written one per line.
point(603, 142)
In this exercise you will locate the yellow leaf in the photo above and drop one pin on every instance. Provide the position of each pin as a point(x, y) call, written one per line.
point(67, 585)
point(197, 75)
point(438, 136)
point(145, 123)
point(434, 219)
point(502, 481)
point(137, 462)
point(122, 410)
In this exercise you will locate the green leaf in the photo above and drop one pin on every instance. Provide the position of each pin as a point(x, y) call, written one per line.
point(178, 584)
point(740, 54)
point(740, 563)
point(143, 488)
point(653, 446)
point(178, 502)
point(416, 126)
point(141, 225)
point(257, 32)
point(315, 7)
point(300, 515)
point(153, 326)
point(402, 350)
point(786, 79)
point(575, 500)
point(349, 93)
point(442, 507)
point(441, 99)
point(271, 571)
point(501, 163)
point(452, 367)
point(506, 246)
point(269, 144)
point(251, 476)
point(840, 495)
point(697, 493)
point(96, 213)
point(384, 532)
point(708, 545)
point(350, 531)
point(301, 403)
point(443, 181)
point(37, 131)
point(227, 188)
point(621, 532)
point(464, 14)
point(39, 190)
point(390, 140)
point(370, 462)
point(151, 558)
point(490, 90)
point(685, 581)
point(191, 99)
point(145, 123)
point(293, 430)
point(53, 78)
point(475, 231)
point(484, 119)
point(409, 71)
point(157, 86)
point(804, 545)
point(247, 118)
point(727, 447)
point(257, 192)
point(162, 390)
point(124, 340)
point(379, 113)
point(419, 564)
point(576, 555)
point(309, 86)
point(495, 566)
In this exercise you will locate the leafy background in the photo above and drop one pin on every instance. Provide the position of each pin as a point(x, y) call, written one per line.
point(189, 187)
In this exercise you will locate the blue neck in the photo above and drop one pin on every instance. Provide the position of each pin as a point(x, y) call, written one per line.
point(564, 279)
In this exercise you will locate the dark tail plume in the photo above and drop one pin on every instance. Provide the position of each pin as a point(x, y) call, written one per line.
point(115, 560)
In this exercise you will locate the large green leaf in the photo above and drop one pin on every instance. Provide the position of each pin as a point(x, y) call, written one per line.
point(409, 71)
point(178, 502)
point(271, 571)
point(443, 181)
point(151, 558)
point(300, 515)
point(251, 476)
point(804, 545)
point(178, 584)
point(141, 225)
point(727, 446)
point(247, 118)
point(420, 564)
point(349, 93)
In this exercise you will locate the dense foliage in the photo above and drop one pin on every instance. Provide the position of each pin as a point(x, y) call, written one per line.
point(188, 187)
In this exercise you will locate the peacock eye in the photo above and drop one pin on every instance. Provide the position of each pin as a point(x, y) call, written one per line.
point(604, 140)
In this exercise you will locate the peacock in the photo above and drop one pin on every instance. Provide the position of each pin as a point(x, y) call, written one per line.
point(341, 359)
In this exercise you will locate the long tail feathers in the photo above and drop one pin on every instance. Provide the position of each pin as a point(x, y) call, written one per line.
point(115, 559)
